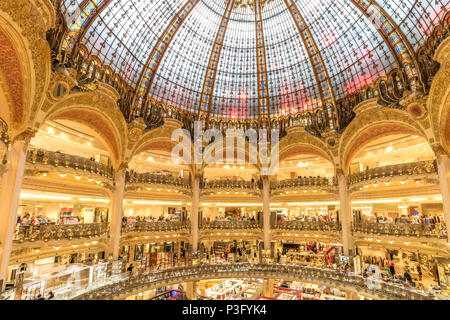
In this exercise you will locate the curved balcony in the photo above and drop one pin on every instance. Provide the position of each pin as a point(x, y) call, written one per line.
point(230, 225)
point(230, 185)
point(401, 229)
point(123, 288)
point(58, 159)
point(303, 183)
point(154, 179)
point(47, 232)
point(155, 226)
point(421, 168)
point(308, 226)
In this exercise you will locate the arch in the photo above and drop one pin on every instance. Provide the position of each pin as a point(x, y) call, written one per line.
point(445, 122)
point(100, 113)
point(438, 102)
point(302, 143)
point(158, 138)
point(248, 149)
point(16, 76)
point(25, 64)
point(372, 125)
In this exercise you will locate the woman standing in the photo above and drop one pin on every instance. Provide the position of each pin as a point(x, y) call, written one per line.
point(392, 267)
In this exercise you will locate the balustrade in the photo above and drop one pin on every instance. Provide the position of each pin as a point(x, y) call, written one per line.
point(401, 229)
point(230, 184)
point(155, 226)
point(157, 179)
point(58, 159)
point(246, 270)
point(48, 232)
point(232, 225)
point(309, 226)
point(303, 182)
point(404, 169)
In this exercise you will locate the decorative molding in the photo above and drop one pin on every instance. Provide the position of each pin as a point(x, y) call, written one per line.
point(157, 53)
point(262, 86)
point(210, 75)
point(315, 57)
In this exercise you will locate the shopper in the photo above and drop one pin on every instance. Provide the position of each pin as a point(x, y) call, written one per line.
point(407, 276)
point(50, 295)
point(130, 269)
point(26, 220)
point(392, 267)
point(419, 271)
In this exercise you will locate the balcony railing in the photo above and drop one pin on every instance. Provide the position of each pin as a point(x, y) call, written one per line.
point(404, 169)
point(401, 229)
point(157, 179)
point(246, 270)
point(155, 226)
point(303, 182)
point(309, 226)
point(47, 232)
point(232, 225)
point(58, 159)
point(230, 184)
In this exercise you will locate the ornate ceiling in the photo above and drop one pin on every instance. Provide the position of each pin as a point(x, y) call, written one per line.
point(229, 59)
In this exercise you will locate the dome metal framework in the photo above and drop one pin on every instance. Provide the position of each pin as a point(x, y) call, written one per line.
point(252, 59)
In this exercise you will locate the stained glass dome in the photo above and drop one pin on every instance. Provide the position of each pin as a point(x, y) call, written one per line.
point(232, 59)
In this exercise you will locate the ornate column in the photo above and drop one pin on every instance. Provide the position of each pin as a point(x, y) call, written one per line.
point(194, 210)
point(351, 295)
point(345, 212)
point(191, 290)
point(266, 211)
point(443, 166)
point(10, 196)
point(268, 288)
point(117, 211)
point(132, 252)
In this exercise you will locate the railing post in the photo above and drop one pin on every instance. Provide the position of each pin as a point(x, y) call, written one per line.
point(117, 212)
point(9, 199)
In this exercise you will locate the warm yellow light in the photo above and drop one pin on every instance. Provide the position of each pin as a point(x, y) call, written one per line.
point(157, 202)
point(377, 201)
point(417, 199)
point(94, 200)
point(312, 203)
point(43, 196)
